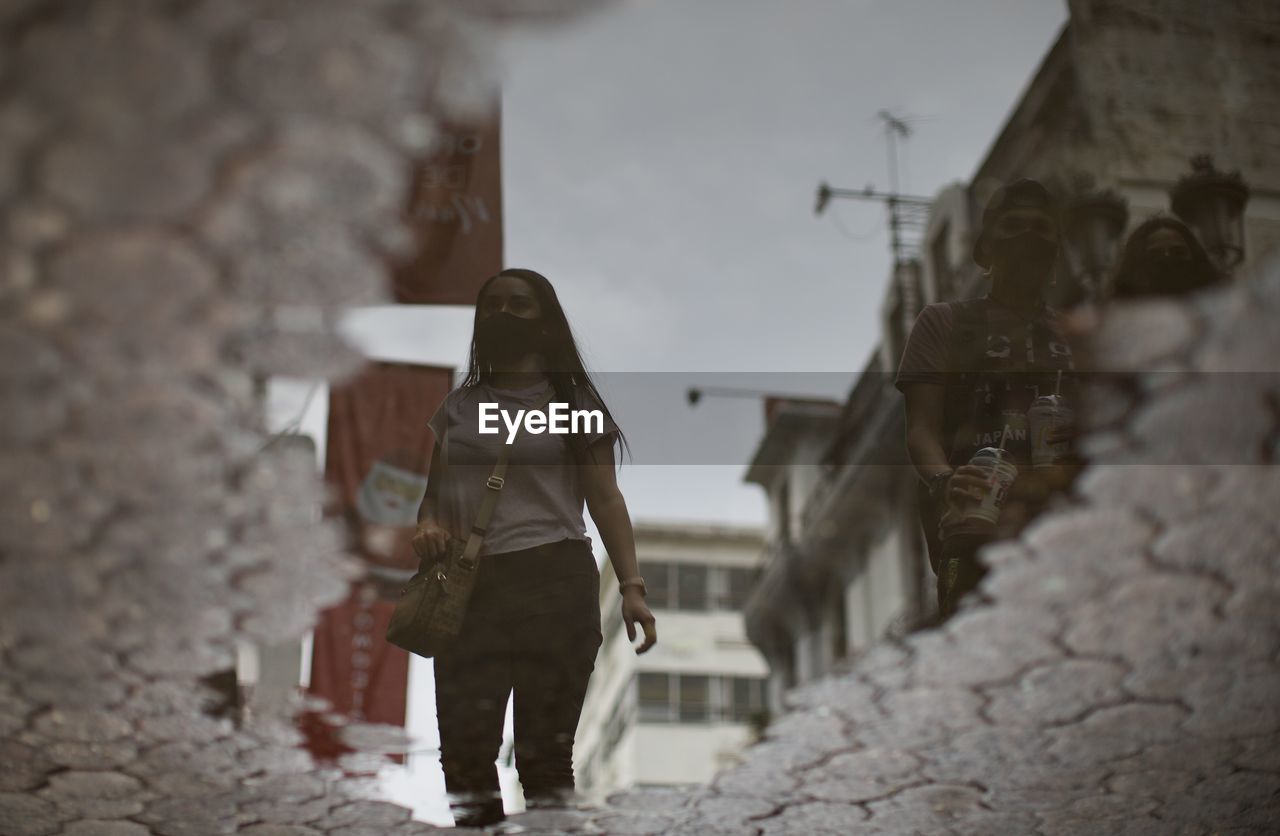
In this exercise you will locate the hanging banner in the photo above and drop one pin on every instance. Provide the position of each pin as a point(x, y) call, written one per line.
point(455, 213)
point(378, 453)
point(353, 666)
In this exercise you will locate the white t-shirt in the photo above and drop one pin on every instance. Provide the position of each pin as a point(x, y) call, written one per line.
point(542, 498)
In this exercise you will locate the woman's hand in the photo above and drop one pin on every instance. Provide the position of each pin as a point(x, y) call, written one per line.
point(635, 609)
point(429, 541)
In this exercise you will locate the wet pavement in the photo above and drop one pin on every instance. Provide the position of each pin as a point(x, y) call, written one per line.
point(1119, 675)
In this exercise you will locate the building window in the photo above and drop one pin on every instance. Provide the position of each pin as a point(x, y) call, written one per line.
point(747, 698)
point(741, 582)
point(697, 588)
point(654, 696)
point(657, 584)
point(695, 698)
point(691, 586)
point(699, 698)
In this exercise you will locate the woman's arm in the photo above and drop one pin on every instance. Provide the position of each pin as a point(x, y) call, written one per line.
point(429, 540)
point(427, 509)
point(609, 510)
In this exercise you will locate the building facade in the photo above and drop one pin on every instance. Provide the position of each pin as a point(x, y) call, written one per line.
point(1128, 94)
point(680, 712)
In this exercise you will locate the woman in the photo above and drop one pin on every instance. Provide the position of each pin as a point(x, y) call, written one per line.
point(533, 622)
point(1163, 257)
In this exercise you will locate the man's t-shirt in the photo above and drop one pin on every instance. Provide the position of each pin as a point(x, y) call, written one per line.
point(542, 497)
point(1015, 358)
point(1011, 345)
point(924, 358)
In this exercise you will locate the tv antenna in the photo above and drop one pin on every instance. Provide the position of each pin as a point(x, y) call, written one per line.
point(907, 213)
point(894, 127)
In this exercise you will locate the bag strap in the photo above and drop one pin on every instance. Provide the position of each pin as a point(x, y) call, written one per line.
point(493, 486)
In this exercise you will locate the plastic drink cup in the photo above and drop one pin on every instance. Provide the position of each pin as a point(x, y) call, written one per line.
point(1002, 473)
point(1048, 413)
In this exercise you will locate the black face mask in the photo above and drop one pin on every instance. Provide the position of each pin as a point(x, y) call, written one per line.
point(1025, 258)
point(1165, 273)
point(502, 337)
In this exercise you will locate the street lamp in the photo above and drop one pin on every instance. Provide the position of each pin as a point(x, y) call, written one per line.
point(1212, 203)
point(824, 197)
point(1092, 226)
point(695, 393)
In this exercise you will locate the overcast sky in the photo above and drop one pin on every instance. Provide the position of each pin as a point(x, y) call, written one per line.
point(660, 162)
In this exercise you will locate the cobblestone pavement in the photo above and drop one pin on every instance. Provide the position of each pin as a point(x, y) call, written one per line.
point(171, 168)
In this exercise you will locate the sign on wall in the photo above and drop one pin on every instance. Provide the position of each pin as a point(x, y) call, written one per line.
point(455, 212)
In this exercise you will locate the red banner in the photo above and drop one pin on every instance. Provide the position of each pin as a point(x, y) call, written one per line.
point(377, 457)
point(455, 212)
point(353, 666)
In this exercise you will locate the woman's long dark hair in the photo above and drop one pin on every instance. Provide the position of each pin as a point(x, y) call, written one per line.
point(1128, 280)
point(565, 368)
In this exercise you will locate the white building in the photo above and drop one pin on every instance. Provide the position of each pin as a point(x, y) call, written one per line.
point(682, 711)
point(1122, 102)
point(841, 566)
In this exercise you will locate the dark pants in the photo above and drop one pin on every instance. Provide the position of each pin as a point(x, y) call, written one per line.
point(960, 571)
point(532, 626)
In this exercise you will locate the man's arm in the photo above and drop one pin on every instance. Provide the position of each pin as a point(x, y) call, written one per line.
point(925, 443)
point(925, 404)
point(922, 375)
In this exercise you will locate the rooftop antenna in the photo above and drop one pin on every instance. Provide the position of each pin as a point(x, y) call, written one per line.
point(894, 127)
point(905, 211)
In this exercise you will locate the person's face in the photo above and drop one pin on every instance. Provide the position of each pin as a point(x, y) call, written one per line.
point(1023, 243)
point(511, 294)
point(1016, 221)
point(1167, 243)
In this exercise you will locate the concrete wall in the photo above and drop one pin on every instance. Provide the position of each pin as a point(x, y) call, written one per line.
point(877, 595)
point(679, 754)
point(1149, 70)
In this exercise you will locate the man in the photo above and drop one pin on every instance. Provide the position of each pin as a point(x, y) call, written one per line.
point(971, 370)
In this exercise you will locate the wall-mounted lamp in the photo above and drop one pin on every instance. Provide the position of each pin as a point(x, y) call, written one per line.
point(1212, 203)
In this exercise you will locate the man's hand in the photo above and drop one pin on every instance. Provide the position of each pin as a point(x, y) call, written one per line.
point(429, 541)
point(968, 484)
point(635, 609)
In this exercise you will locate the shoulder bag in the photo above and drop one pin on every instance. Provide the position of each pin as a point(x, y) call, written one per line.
point(429, 613)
